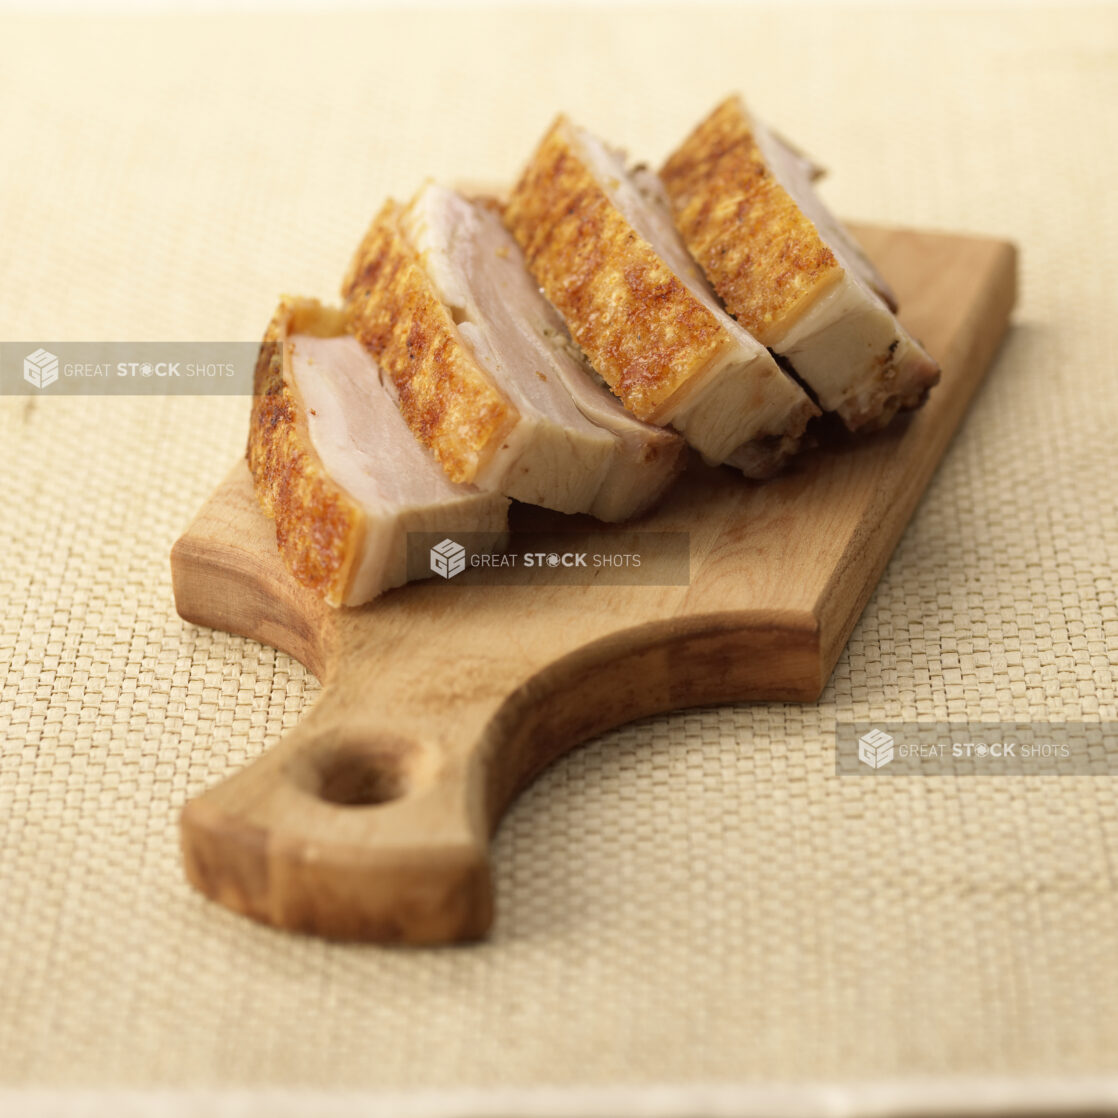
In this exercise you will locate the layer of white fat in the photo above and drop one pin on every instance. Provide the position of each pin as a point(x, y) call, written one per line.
point(367, 448)
point(555, 457)
point(844, 342)
point(742, 394)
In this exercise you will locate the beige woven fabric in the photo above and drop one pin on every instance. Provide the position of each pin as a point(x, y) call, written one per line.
point(691, 900)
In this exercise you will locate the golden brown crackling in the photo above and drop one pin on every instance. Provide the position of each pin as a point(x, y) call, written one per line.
point(761, 254)
point(642, 330)
point(448, 401)
point(319, 527)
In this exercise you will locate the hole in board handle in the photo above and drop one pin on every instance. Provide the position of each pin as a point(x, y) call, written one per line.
point(356, 773)
point(355, 778)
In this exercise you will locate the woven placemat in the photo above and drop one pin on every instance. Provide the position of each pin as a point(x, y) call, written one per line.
point(692, 904)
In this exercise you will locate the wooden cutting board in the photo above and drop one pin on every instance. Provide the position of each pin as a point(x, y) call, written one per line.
point(371, 819)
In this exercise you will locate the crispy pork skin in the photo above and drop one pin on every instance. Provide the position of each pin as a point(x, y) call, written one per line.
point(335, 465)
point(439, 293)
point(789, 272)
point(603, 247)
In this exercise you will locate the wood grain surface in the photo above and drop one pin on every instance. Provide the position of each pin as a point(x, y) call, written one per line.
point(372, 818)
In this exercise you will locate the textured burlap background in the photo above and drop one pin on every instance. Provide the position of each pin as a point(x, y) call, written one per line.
point(693, 900)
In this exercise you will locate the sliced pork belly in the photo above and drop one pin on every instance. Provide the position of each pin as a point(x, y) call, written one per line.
point(789, 272)
point(609, 258)
point(484, 373)
point(335, 465)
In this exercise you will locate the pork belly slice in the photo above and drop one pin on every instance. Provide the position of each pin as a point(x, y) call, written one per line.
point(483, 373)
point(608, 256)
point(335, 465)
point(788, 270)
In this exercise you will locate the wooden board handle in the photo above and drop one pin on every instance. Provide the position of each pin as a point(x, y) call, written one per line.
point(371, 819)
point(292, 840)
